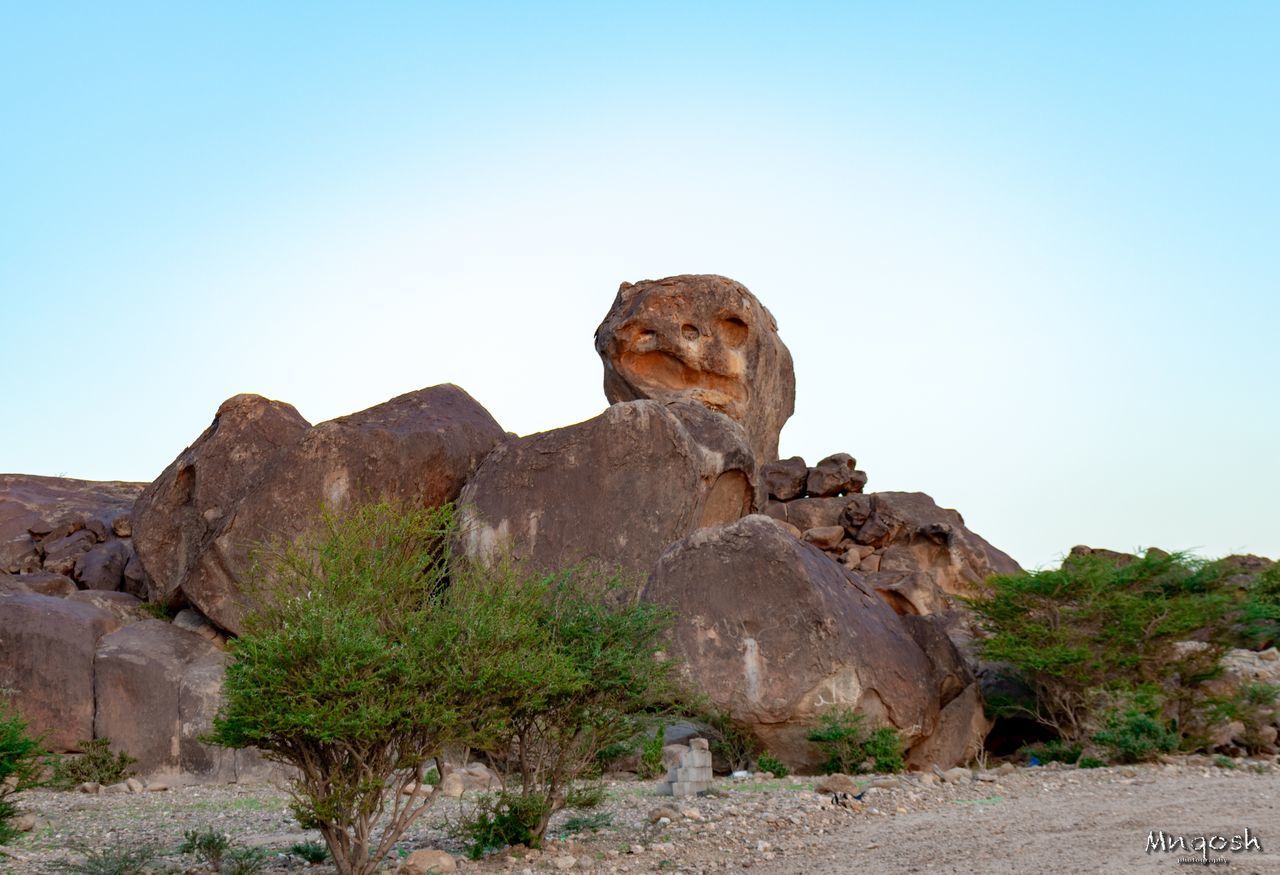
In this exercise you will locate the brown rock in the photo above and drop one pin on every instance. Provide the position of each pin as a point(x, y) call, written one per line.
point(832, 476)
point(825, 537)
point(775, 632)
point(61, 554)
point(815, 513)
point(838, 783)
point(158, 688)
point(616, 489)
point(418, 448)
point(428, 861)
point(785, 479)
point(46, 583)
point(102, 566)
point(858, 481)
point(962, 729)
point(178, 515)
point(41, 505)
point(46, 656)
point(19, 555)
point(700, 338)
point(124, 607)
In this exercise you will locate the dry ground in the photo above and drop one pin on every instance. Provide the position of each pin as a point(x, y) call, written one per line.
point(1052, 820)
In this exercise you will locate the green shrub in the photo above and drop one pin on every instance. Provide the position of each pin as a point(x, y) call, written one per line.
point(1103, 626)
point(587, 795)
point(1054, 751)
point(1133, 730)
point(503, 819)
point(768, 763)
point(1259, 620)
point(21, 764)
point(1090, 763)
point(849, 746)
point(1224, 762)
point(244, 861)
point(310, 852)
point(348, 671)
point(651, 754)
point(115, 860)
point(96, 763)
point(729, 740)
point(208, 844)
point(593, 822)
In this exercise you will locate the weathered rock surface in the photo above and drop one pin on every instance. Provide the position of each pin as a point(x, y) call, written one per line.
point(616, 489)
point(180, 512)
point(124, 607)
point(46, 655)
point(701, 338)
point(776, 632)
point(417, 448)
point(158, 688)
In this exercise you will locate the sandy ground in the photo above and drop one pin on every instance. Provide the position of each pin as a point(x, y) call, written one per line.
point(1030, 820)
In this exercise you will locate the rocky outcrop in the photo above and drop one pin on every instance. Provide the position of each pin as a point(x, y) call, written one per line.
point(418, 448)
point(775, 632)
point(187, 505)
point(158, 688)
point(55, 530)
point(46, 657)
point(616, 489)
point(702, 338)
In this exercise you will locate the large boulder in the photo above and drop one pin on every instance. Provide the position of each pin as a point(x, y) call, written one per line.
point(614, 490)
point(185, 507)
point(158, 689)
point(776, 633)
point(418, 448)
point(46, 656)
point(700, 338)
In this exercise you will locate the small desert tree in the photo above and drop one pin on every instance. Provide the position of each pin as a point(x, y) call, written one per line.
point(340, 674)
point(21, 763)
point(589, 674)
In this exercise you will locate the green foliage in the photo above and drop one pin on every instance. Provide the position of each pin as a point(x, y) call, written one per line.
point(1090, 763)
point(1055, 750)
point(347, 670)
point(1133, 729)
point(730, 741)
point(850, 746)
point(1224, 762)
point(593, 822)
point(582, 796)
point(503, 819)
point(21, 763)
point(96, 763)
point(244, 861)
point(1259, 620)
point(115, 860)
point(157, 609)
point(310, 852)
point(766, 762)
point(651, 754)
point(208, 844)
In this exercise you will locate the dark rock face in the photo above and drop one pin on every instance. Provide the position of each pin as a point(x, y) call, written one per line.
point(700, 338)
point(418, 448)
point(615, 490)
point(158, 688)
point(785, 479)
point(184, 508)
point(46, 654)
point(776, 632)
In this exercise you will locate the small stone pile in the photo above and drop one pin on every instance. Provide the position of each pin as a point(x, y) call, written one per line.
point(693, 775)
point(812, 503)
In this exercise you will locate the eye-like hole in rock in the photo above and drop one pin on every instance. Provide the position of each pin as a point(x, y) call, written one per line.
point(901, 604)
point(734, 331)
point(690, 332)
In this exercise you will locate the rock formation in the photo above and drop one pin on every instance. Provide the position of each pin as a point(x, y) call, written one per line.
point(270, 476)
point(700, 338)
point(775, 632)
point(614, 490)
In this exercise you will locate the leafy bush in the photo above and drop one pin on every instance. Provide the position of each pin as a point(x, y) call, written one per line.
point(244, 861)
point(503, 819)
point(96, 764)
point(768, 763)
point(1259, 619)
point(1105, 627)
point(310, 852)
point(593, 822)
point(582, 675)
point(347, 671)
point(730, 741)
point(1090, 763)
point(651, 754)
point(588, 795)
point(850, 746)
point(209, 845)
point(21, 763)
point(1133, 730)
point(116, 860)
point(1054, 751)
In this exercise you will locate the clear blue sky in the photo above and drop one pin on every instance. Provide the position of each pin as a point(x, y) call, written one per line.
point(1025, 254)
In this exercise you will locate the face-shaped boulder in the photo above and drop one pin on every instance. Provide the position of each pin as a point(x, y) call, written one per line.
point(701, 338)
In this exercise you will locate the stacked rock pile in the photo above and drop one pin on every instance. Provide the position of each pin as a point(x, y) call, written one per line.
point(693, 775)
point(825, 506)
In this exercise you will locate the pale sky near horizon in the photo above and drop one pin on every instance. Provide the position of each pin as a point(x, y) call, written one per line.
point(1025, 255)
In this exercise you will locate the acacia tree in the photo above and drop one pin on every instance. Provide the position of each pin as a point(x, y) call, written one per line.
point(339, 674)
